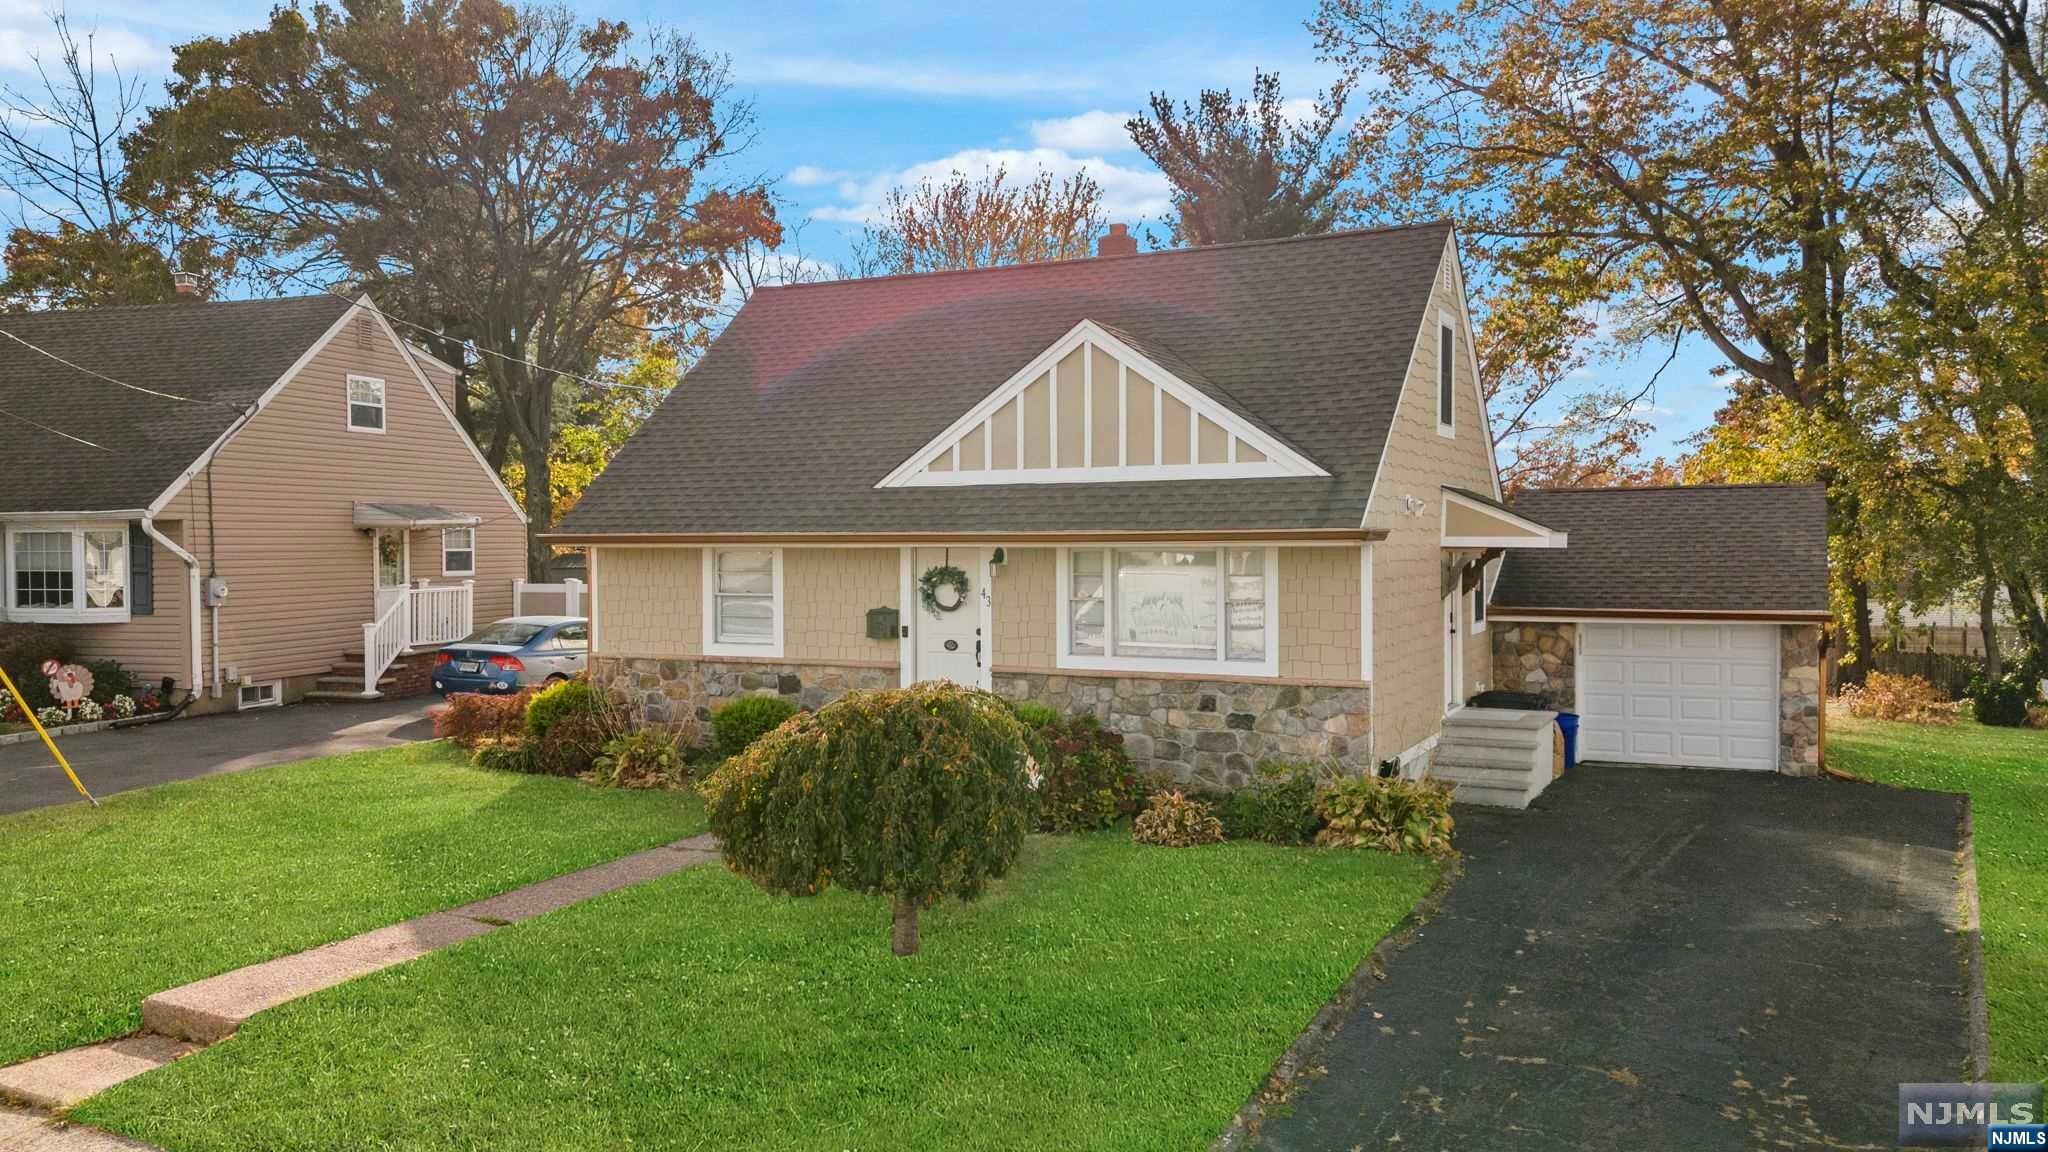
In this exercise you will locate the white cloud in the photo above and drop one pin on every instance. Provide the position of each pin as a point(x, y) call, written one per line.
point(810, 176)
point(1298, 109)
point(916, 80)
point(1095, 131)
point(27, 35)
point(1128, 193)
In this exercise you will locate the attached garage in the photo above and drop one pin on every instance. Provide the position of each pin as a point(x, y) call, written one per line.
point(1697, 694)
point(1686, 626)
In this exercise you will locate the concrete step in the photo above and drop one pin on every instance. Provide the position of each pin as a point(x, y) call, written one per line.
point(321, 695)
point(1505, 776)
point(1500, 718)
point(1519, 759)
point(1491, 796)
point(339, 681)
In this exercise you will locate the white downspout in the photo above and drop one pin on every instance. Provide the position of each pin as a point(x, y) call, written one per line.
point(191, 599)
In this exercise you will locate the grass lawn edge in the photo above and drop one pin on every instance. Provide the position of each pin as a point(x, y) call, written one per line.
point(1302, 1053)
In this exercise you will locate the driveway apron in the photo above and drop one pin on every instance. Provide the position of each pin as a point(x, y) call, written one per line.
point(1658, 958)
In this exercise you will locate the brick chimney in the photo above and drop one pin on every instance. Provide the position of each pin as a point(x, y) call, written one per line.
point(1119, 242)
point(185, 284)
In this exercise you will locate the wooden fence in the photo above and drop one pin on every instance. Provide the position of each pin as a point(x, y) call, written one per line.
point(1948, 671)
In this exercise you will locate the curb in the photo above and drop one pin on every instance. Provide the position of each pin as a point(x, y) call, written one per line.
point(1302, 1054)
point(1972, 932)
point(69, 730)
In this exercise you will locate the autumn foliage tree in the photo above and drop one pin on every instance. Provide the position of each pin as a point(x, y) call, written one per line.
point(542, 183)
point(981, 222)
point(916, 793)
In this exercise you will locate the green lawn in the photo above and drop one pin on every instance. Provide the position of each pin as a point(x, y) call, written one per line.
point(1105, 995)
point(2005, 771)
point(159, 887)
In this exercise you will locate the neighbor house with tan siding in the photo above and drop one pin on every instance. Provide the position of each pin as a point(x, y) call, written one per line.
point(238, 497)
point(1238, 502)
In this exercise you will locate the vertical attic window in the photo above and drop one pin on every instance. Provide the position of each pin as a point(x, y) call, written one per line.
point(365, 404)
point(1446, 351)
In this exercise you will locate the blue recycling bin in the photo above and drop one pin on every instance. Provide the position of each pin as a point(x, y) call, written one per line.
point(1568, 723)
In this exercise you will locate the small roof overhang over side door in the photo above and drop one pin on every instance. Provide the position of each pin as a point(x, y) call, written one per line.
point(386, 514)
point(1474, 522)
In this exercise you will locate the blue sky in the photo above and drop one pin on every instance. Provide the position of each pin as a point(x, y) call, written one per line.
point(851, 99)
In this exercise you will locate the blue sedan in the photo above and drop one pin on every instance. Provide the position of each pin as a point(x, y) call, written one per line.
point(520, 652)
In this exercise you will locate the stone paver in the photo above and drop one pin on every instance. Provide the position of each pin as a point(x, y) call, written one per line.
point(22, 1131)
point(576, 887)
point(62, 1079)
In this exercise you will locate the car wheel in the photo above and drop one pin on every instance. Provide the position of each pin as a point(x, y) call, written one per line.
point(557, 678)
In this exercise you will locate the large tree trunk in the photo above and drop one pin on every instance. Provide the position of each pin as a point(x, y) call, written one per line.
point(903, 928)
point(540, 511)
point(1862, 640)
point(2025, 609)
point(1987, 605)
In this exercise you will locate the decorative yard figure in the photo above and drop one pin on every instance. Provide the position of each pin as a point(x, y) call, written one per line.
point(917, 792)
point(70, 684)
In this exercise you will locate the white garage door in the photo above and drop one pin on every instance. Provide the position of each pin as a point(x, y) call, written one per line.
point(1697, 694)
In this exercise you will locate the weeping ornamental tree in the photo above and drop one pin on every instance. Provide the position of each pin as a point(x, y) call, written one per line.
point(917, 793)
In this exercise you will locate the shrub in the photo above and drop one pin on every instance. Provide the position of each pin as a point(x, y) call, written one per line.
point(1035, 715)
point(745, 719)
point(643, 758)
point(52, 716)
point(511, 753)
point(1171, 820)
point(1393, 815)
point(88, 710)
point(1913, 699)
point(109, 680)
point(573, 742)
point(557, 701)
point(470, 718)
point(122, 707)
point(23, 649)
point(1277, 807)
point(1088, 781)
point(918, 793)
point(2002, 702)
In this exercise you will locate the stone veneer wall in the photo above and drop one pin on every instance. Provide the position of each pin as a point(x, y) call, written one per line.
point(1799, 701)
point(676, 693)
point(1211, 733)
point(1540, 658)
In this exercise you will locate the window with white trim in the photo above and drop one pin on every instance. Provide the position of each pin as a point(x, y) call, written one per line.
point(743, 601)
point(1179, 608)
point(67, 573)
point(458, 551)
point(1446, 361)
point(365, 404)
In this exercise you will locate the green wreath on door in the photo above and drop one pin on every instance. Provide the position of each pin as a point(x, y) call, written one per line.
point(938, 579)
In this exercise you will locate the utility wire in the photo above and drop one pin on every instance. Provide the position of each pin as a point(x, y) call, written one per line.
point(54, 431)
point(41, 351)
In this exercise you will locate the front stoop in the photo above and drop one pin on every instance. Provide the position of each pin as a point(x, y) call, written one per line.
point(412, 674)
point(1496, 756)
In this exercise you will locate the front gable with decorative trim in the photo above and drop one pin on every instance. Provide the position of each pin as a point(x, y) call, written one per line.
point(1093, 408)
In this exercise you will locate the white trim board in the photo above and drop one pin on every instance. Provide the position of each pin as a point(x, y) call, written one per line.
point(1281, 459)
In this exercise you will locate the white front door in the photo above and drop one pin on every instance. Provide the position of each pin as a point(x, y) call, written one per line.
point(1698, 694)
point(392, 566)
point(1454, 655)
point(950, 642)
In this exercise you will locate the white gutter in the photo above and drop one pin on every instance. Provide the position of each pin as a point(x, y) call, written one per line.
point(191, 598)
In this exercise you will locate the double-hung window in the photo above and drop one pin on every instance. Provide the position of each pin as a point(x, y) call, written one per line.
point(458, 551)
point(1188, 609)
point(67, 573)
point(365, 404)
point(743, 601)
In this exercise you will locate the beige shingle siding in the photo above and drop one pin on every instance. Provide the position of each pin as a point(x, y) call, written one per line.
point(1319, 633)
point(826, 594)
point(650, 601)
point(300, 575)
point(1025, 600)
point(1408, 641)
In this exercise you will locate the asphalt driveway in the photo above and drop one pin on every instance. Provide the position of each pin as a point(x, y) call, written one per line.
point(117, 760)
point(1656, 958)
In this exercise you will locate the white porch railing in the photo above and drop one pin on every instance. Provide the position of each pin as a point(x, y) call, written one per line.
point(564, 599)
point(441, 613)
point(414, 617)
point(384, 639)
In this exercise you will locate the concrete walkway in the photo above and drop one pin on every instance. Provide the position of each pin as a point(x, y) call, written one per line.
point(1657, 958)
point(182, 1020)
point(120, 759)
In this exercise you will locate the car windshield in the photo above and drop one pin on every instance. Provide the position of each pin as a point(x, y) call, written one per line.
point(510, 632)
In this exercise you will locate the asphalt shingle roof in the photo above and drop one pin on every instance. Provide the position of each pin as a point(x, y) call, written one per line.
point(816, 392)
point(1707, 548)
point(221, 354)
